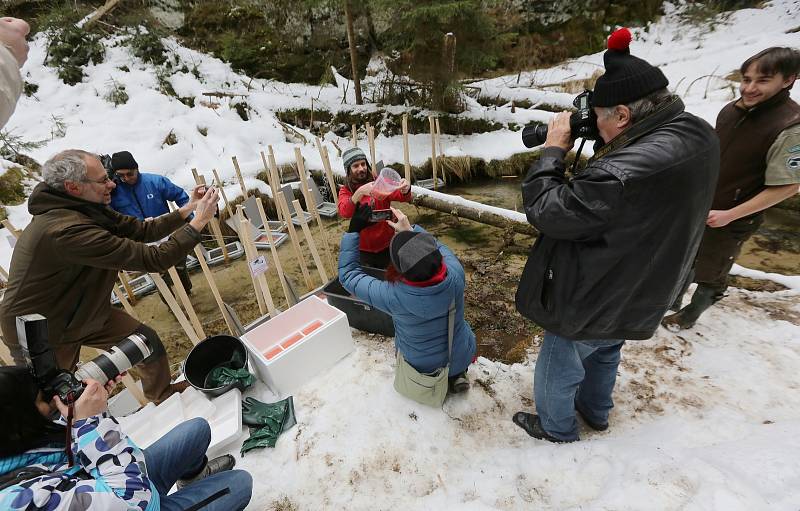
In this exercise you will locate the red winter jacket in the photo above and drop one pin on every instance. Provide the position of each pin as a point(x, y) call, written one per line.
point(377, 236)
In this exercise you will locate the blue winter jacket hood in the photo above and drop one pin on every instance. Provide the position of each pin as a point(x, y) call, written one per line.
point(148, 197)
point(419, 313)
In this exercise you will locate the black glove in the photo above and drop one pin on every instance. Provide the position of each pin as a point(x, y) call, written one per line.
point(360, 218)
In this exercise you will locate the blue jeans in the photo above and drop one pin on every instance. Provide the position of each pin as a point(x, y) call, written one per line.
point(180, 453)
point(574, 373)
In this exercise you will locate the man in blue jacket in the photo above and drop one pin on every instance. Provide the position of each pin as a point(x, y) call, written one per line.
point(145, 196)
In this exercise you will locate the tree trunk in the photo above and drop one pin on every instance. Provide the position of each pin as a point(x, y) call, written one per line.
point(460, 207)
point(351, 40)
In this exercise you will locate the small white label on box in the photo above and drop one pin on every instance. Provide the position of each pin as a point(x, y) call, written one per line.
point(258, 266)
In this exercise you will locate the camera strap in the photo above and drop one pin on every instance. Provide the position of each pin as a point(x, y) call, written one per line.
point(68, 447)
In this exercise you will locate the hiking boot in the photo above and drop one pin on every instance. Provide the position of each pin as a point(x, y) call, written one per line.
point(215, 466)
point(533, 426)
point(458, 384)
point(703, 298)
point(597, 426)
point(678, 321)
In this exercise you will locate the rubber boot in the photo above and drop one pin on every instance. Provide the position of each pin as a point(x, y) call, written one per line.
point(156, 379)
point(703, 298)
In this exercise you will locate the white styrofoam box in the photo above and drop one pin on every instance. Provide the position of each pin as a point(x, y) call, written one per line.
point(299, 343)
point(328, 209)
point(223, 413)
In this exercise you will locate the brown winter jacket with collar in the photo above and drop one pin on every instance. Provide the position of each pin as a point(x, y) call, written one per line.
point(66, 261)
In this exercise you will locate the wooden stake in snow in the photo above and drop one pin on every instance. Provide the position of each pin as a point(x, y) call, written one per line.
point(214, 290)
point(406, 159)
point(244, 235)
point(252, 254)
point(441, 152)
point(214, 223)
point(124, 301)
point(126, 283)
point(310, 240)
point(3, 274)
point(371, 142)
point(180, 292)
point(280, 204)
point(433, 150)
point(271, 187)
point(218, 181)
point(175, 308)
point(311, 205)
point(239, 177)
point(355, 138)
point(276, 260)
point(274, 183)
point(326, 164)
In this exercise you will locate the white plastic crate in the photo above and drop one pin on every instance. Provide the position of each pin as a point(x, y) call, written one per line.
point(215, 256)
point(261, 242)
point(223, 413)
point(141, 285)
point(298, 344)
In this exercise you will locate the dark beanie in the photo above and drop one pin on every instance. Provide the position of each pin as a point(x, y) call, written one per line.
point(123, 160)
point(351, 156)
point(415, 255)
point(627, 78)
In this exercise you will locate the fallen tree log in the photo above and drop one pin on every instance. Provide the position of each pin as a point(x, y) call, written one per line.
point(464, 208)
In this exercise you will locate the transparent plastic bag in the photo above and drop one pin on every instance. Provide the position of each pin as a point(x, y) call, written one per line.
point(387, 182)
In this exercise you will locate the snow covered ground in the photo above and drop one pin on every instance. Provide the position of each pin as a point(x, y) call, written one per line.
point(704, 420)
point(707, 419)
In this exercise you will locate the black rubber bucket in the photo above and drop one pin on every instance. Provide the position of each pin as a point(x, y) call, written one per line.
point(207, 355)
point(360, 315)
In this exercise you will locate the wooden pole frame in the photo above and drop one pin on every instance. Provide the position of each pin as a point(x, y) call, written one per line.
point(252, 254)
point(175, 308)
point(244, 235)
point(13, 230)
point(371, 142)
point(280, 203)
point(326, 164)
point(276, 260)
point(406, 158)
point(311, 245)
point(441, 151)
point(123, 277)
point(433, 150)
point(274, 183)
point(214, 290)
point(239, 176)
point(355, 136)
point(311, 205)
point(200, 179)
point(180, 292)
point(221, 187)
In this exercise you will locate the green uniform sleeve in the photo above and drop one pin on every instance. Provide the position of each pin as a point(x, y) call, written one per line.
point(783, 158)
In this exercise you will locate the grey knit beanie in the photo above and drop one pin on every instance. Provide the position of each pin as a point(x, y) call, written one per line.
point(351, 156)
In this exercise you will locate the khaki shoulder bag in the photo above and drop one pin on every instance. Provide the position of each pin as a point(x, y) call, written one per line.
point(431, 388)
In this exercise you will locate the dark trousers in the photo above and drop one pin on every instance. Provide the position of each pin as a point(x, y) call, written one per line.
point(183, 274)
point(719, 249)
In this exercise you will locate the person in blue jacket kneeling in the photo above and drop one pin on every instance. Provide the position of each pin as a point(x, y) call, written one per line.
point(422, 281)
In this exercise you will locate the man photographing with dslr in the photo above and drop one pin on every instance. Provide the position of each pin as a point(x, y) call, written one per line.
point(65, 264)
point(616, 239)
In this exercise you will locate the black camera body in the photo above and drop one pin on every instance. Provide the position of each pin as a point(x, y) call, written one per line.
point(54, 381)
point(582, 123)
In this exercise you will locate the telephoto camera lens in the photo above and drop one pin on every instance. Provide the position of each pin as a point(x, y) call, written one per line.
point(534, 134)
point(107, 366)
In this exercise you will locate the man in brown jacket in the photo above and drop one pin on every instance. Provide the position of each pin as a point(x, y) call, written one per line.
point(760, 166)
point(66, 261)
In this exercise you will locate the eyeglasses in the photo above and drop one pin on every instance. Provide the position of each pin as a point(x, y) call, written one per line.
point(103, 181)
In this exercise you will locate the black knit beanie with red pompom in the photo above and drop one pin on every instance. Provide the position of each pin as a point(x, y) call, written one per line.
point(627, 78)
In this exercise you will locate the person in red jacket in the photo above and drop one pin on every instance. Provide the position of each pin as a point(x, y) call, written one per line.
point(374, 242)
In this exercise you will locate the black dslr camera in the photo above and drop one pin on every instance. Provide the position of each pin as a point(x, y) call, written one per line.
point(582, 123)
point(54, 381)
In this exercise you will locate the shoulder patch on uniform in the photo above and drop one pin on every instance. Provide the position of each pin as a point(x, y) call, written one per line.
point(793, 163)
point(794, 149)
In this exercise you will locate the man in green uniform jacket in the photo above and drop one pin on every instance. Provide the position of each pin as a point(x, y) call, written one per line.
point(66, 262)
point(760, 166)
